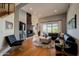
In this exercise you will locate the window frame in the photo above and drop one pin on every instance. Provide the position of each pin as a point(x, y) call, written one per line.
point(51, 26)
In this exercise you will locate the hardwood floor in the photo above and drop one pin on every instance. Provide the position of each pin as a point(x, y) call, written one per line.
point(28, 49)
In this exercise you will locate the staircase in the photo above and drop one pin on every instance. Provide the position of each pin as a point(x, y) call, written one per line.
point(6, 8)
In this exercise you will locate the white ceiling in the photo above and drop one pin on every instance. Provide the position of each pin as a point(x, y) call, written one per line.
point(41, 10)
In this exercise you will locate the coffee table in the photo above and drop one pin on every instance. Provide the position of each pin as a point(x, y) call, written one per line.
point(43, 42)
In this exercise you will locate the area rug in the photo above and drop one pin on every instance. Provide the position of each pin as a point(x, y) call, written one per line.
point(50, 45)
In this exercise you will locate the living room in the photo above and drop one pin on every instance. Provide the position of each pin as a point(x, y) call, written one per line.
point(42, 27)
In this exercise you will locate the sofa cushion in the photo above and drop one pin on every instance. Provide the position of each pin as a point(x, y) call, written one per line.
point(53, 35)
point(71, 39)
point(66, 37)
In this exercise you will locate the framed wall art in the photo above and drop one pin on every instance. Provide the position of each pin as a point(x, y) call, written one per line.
point(72, 24)
point(8, 25)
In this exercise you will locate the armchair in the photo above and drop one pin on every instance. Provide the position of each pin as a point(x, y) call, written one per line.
point(11, 40)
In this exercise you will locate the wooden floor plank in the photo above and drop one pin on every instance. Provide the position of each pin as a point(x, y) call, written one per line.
point(28, 49)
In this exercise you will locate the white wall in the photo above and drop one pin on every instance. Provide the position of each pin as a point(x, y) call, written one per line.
point(3, 31)
point(20, 15)
point(74, 9)
point(16, 24)
point(23, 18)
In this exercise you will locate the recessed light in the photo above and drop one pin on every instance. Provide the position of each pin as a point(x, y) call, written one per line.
point(30, 9)
point(55, 10)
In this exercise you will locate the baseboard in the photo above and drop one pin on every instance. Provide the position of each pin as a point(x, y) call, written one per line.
point(4, 51)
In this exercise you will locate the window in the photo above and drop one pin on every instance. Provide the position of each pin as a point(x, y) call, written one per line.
point(51, 28)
